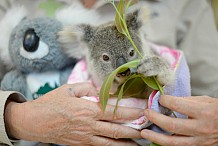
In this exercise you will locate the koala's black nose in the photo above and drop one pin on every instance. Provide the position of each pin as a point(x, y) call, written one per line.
point(124, 73)
point(120, 61)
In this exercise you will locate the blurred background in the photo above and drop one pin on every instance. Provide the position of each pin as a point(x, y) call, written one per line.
point(48, 7)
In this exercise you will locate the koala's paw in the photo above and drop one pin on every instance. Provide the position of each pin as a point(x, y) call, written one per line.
point(14, 81)
point(156, 66)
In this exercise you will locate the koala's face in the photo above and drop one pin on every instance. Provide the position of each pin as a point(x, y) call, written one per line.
point(33, 46)
point(108, 49)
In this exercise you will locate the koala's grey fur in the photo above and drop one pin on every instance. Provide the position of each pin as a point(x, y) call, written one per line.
point(54, 60)
point(95, 41)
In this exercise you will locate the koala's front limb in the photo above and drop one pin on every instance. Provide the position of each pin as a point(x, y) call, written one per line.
point(14, 81)
point(156, 66)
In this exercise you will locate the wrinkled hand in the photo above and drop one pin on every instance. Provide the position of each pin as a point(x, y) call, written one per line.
point(200, 129)
point(61, 117)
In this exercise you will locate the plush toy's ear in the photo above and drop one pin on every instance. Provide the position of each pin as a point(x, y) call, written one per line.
point(75, 39)
point(7, 24)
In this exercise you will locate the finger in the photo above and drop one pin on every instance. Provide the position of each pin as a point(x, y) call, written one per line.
point(103, 141)
point(173, 125)
point(82, 89)
point(167, 140)
point(69, 141)
point(181, 105)
point(205, 99)
point(115, 131)
point(121, 114)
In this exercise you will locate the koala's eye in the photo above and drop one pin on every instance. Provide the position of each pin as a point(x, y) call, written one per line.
point(105, 58)
point(31, 41)
point(132, 53)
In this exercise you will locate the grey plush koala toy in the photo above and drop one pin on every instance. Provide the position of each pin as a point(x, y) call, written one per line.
point(38, 62)
point(105, 48)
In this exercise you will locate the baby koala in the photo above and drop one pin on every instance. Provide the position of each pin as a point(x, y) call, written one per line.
point(104, 49)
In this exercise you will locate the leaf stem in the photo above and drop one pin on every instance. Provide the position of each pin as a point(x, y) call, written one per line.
point(133, 44)
point(174, 114)
point(159, 86)
point(127, 31)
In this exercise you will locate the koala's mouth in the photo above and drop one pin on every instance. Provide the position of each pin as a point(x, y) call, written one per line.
point(121, 77)
point(125, 73)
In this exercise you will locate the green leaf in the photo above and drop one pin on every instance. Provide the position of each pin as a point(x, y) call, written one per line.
point(119, 18)
point(131, 64)
point(108, 82)
point(134, 86)
point(160, 88)
point(129, 3)
point(151, 82)
point(50, 7)
point(154, 144)
point(120, 21)
point(105, 90)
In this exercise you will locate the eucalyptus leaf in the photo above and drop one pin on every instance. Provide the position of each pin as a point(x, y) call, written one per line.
point(151, 82)
point(121, 91)
point(131, 64)
point(135, 87)
point(154, 144)
point(108, 82)
point(129, 3)
point(105, 89)
point(50, 7)
point(120, 21)
point(159, 86)
point(119, 18)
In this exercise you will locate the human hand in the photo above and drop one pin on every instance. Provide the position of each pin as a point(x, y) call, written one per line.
point(88, 3)
point(200, 129)
point(61, 117)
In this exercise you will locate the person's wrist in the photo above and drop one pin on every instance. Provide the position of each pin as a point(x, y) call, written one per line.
point(14, 117)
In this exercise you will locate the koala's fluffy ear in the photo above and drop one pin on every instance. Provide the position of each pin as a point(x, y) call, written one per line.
point(74, 40)
point(137, 18)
